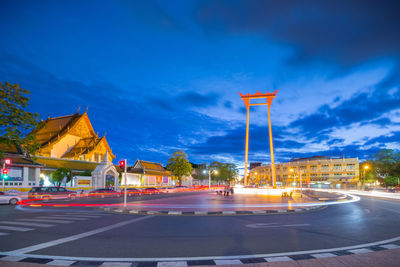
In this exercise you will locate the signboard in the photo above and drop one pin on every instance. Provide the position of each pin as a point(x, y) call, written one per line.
point(152, 179)
point(83, 182)
point(15, 174)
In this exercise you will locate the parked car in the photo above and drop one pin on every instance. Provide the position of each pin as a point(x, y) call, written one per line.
point(104, 192)
point(6, 198)
point(150, 191)
point(50, 192)
point(132, 192)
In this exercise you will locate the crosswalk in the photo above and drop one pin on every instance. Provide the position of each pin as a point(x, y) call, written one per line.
point(42, 221)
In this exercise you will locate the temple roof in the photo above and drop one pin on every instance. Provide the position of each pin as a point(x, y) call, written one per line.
point(52, 129)
point(149, 168)
point(14, 152)
point(84, 146)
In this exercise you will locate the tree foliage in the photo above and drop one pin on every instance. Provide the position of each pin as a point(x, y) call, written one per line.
point(179, 165)
point(15, 121)
point(386, 163)
point(226, 172)
point(58, 176)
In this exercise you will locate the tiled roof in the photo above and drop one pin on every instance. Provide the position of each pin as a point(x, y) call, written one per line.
point(149, 168)
point(51, 128)
point(84, 146)
point(78, 165)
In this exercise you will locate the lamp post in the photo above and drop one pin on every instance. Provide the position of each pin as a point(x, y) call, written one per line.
point(301, 183)
point(365, 168)
point(209, 177)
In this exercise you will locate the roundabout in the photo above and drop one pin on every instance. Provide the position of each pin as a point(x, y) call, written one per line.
point(80, 234)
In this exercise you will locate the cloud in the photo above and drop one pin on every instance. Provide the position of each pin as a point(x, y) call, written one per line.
point(347, 32)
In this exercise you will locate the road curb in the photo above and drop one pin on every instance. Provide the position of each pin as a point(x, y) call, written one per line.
point(238, 260)
point(209, 213)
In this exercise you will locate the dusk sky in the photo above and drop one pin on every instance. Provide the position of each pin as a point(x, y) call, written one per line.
point(158, 76)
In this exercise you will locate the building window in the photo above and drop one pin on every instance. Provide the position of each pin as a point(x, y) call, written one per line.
point(313, 167)
point(337, 167)
point(31, 174)
point(351, 166)
point(350, 174)
point(325, 167)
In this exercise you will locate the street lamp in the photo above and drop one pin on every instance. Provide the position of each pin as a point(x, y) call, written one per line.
point(365, 168)
point(301, 183)
point(209, 177)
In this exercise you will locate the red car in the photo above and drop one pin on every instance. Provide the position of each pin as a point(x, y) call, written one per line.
point(150, 191)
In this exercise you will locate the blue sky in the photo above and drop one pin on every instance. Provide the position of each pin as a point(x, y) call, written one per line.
point(158, 76)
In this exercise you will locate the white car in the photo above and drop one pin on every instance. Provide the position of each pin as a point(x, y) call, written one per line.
point(9, 198)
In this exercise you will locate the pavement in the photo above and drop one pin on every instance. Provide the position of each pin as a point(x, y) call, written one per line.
point(82, 235)
point(216, 204)
point(385, 258)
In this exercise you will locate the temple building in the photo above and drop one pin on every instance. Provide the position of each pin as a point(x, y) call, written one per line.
point(70, 142)
point(22, 170)
point(146, 173)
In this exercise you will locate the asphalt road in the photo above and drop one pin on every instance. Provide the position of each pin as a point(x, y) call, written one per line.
point(89, 232)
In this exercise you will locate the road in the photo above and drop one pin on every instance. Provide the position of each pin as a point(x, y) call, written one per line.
point(90, 232)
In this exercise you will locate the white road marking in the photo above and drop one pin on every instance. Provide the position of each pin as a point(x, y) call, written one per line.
point(226, 262)
point(27, 223)
point(274, 225)
point(116, 264)
point(275, 259)
point(323, 255)
point(299, 224)
point(61, 262)
point(63, 217)
point(78, 236)
point(171, 263)
point(44, 220)
point(268, 257)
point(360, 250)
point(3, 233)
point(83, 216)
point(13, 228)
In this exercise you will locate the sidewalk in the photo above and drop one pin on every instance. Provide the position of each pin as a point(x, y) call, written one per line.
point(382, 258)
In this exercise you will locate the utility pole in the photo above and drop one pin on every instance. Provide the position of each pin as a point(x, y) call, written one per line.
point(125, 183)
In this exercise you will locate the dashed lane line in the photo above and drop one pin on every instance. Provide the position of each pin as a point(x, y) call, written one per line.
point(63, 217)
point(46, 220)
point(78, 236)
point(13, 228)
point(27, 224)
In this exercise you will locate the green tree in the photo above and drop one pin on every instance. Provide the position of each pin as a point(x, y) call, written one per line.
point(179, 165)
point(227, 172)
point(15, 121)
point(386, 163)
point(58, 176)
point(391, 181)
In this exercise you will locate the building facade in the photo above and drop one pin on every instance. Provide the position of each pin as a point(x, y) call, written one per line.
point(146, 173)
point(70, 142)
point(23, 171)
point(318, 171)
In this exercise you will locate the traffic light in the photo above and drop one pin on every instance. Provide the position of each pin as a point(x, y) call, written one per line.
point(5, 173)
point(122, 163)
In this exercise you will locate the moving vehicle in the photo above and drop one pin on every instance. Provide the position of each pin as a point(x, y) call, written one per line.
point(11, 199)
point(132, 192)
point(50, 192)
point(104, 192)
point(150, 191)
